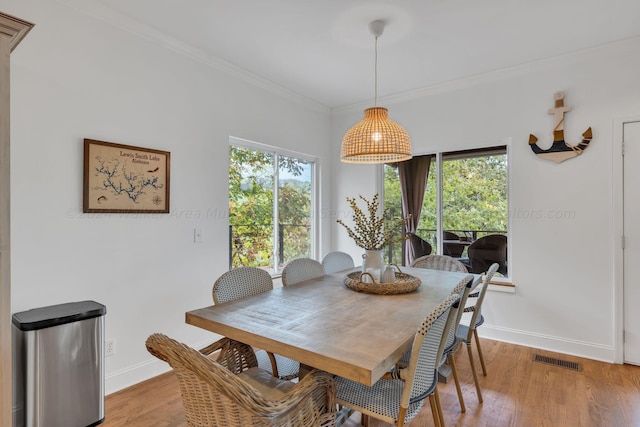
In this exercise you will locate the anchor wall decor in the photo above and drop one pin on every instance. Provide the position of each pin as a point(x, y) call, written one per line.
point(560, 150)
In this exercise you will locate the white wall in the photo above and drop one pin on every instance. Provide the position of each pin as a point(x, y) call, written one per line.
point(563, 267)
point(78, 77)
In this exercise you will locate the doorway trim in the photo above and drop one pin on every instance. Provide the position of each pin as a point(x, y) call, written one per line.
point(617, 233)
point(12, 31)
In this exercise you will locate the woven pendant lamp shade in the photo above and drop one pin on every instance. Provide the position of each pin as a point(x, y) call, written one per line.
point(376, 139)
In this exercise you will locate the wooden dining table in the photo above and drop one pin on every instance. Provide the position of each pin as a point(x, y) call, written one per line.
point(325, 325)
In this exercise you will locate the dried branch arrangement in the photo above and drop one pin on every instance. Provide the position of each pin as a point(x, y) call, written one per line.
point(370, 231)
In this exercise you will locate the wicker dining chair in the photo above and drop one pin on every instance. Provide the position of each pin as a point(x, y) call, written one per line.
point(462, 289)
point(301, 269)
point(337, 261)
point(466, 332)
point(233, 392)
point(243, 282)
point(439, 262)
point(399, 396)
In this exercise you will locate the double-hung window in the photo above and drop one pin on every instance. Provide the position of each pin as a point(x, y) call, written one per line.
point(271, 206)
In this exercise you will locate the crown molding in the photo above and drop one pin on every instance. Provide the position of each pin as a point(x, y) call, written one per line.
point(490, 76)
point(139, 29)
point(15, 28)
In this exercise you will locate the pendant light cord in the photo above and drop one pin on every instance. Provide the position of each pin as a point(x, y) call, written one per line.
point(375, 75)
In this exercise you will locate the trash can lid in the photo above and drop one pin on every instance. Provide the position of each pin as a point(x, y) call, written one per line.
point(54, 315)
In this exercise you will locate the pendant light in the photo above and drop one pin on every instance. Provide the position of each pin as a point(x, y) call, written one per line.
point(376, 139)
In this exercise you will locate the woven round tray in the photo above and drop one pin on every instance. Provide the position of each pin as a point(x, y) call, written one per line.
point(404, 283)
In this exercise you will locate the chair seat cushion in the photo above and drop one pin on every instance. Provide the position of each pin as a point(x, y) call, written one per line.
point(270, 387)
point(288, 369)
point(381, 399)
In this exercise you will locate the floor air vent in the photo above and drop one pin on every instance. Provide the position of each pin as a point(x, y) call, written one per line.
point(574, 366)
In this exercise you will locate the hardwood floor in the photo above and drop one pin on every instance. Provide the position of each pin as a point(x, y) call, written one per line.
point(517, 392)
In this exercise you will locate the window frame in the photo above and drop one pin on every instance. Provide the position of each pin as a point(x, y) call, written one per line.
point(277, 152)
point(439, 156)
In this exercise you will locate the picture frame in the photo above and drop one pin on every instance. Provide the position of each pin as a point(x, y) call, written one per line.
point(125, 179)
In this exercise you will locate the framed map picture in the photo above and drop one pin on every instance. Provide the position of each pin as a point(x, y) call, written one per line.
point(125, 179)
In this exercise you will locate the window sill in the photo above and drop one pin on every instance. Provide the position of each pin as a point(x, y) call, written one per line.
point(502, 284)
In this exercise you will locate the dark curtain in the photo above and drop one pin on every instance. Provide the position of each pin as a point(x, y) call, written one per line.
point(413, 175)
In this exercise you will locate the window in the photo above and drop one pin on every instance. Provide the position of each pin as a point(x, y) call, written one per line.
point(468, 202)
point(271, 202)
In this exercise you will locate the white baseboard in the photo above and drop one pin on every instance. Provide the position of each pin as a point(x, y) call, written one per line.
point(131, 375)
point(562, 345)
point(123, 378)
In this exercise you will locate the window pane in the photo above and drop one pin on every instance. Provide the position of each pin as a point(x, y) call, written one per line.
point(474, 201)
point(294, 209)
point(251, 184)
point(256, 238)
point(393, 207)
point(429, 215)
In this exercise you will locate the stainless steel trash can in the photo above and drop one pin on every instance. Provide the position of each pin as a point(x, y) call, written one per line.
point(58, 368)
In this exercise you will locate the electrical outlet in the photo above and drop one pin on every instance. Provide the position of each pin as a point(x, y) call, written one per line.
point(109, 347)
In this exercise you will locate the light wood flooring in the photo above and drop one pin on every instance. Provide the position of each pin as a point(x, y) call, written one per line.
point(517, 392)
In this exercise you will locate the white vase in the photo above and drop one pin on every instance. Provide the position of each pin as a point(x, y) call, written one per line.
point(373, 263)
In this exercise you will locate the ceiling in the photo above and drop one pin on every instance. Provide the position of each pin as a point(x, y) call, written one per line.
point(322, 49)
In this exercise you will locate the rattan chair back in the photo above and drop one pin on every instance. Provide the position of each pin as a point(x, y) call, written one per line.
point(247, 281)
point(426, 352)
point(337, 261)
point(466, 332)
point(439, 262)
point(301, 269)
point(398, 396)
point(462, 289)
point(213, 394)
point(476, 308)
point(241, 282)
